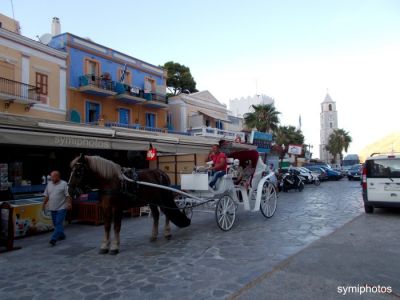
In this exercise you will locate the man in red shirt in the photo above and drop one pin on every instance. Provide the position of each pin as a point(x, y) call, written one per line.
point(219, 164)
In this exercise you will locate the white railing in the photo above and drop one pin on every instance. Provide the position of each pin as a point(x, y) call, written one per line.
point(217, 133)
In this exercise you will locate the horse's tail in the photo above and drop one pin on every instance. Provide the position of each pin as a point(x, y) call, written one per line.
point(169, 207)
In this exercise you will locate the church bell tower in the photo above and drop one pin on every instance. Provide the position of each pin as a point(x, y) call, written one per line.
point(328, 123)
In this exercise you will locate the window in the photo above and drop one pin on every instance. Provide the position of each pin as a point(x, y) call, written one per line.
point(330, 107)
point(383, 168)
point(127, 77)
point(42, 83)
point(92, 112)
point(330, 125)
point(124, 115)
point(219, 125)
point(149, 85)
point(150, 120)
point(92, 67)
point(169, 121)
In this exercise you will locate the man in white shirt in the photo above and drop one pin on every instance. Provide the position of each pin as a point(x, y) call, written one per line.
point(58, 201)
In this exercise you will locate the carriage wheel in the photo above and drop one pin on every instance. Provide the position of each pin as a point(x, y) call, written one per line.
point(268, 200)
point(225, 212)
point(185, 207)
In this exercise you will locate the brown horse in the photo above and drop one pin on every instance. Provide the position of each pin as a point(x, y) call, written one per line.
point(107, 176)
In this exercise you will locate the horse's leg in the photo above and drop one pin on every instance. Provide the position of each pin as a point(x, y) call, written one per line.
point(167, 229)
point(156, 216)
point(107, 210)
point(117, 213)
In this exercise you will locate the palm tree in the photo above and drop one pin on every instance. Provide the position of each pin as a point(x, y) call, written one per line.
point(288, 135)
point(339, 140)
point(264, 118)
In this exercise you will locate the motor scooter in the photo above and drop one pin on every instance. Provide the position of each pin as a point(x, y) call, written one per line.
point(290, 181)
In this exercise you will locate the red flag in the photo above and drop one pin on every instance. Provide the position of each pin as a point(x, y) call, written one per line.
point(151, 153)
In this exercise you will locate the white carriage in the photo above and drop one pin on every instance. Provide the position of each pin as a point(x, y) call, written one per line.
point(259, 194)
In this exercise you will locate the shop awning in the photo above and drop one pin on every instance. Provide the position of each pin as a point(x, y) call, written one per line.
point(214, 115)
point(48, 139)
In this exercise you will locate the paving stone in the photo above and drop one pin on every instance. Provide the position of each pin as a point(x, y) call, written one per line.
point(200, 262)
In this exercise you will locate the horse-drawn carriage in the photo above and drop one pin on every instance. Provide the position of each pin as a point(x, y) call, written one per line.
point(258, 194)
point(153, 187)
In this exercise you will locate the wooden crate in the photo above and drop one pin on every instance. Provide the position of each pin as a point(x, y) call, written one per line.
point(90, 212)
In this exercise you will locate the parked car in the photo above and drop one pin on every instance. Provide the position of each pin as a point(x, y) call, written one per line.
point(332, 174)
point(381, 182)
point(354, 172)
point(322, 174)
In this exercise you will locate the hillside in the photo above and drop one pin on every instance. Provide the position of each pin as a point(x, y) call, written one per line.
point(386, 144)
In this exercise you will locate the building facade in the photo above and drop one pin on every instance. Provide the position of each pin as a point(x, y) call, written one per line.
point(328, 123)
point(32, 75)
point(111, 88)
point(201, 114)
point(240, 106)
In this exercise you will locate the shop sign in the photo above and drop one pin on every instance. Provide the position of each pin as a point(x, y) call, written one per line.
point(81, 142)
point(262, 140)
point(295, 149)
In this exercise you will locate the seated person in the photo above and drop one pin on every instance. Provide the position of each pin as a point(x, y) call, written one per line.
point(237, 172)
point(247, 174)
point(219, 164)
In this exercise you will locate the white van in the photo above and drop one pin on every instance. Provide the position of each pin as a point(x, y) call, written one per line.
point(381, 181)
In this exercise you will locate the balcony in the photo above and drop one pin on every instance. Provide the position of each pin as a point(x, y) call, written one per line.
point(15, 91)
point(128, 94)
point(135, 95)
point(145, 128)
point(155, 100)
point(95, 85)
point(218, 133)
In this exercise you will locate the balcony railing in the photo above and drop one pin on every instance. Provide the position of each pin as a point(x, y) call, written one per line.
point(97, 81)
point(21, 92)
point(218, 133)
point(145, 128)
point(124, 89)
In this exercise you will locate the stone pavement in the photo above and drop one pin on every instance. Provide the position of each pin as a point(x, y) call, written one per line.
point(200, 262)
point(362, 253)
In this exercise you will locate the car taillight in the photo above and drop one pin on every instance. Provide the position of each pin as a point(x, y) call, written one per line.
point(364, 179)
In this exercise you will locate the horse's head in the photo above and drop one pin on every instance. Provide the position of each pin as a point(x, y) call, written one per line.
point(79, 178)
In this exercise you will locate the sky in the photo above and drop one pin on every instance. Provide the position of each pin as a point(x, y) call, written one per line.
point(293, 51)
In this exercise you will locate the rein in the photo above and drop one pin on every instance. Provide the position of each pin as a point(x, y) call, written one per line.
point(169, 189)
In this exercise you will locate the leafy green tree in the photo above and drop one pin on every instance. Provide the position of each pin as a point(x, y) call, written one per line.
point(286, 135)
point(339, 140)
point(264, 118)
point(179, 79)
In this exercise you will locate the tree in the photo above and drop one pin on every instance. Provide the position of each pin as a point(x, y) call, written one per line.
point(264, 118)
point(339, 140)
point(288, 135)
point(179, 79)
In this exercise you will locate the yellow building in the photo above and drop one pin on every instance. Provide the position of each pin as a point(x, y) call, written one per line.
point(32, 75)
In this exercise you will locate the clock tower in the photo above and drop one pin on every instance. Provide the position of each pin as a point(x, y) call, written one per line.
point(328, 123)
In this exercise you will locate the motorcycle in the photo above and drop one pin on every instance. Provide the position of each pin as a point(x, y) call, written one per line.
point(290, 181)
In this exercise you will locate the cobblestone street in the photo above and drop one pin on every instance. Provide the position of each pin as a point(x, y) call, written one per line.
point(199, 262)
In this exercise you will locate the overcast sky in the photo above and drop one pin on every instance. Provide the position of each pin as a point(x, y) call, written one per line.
point(292, 51)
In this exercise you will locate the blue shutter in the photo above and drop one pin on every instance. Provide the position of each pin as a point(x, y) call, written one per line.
point(150, 120)
point(97, 108)
point(124, 116)
point(87, 112)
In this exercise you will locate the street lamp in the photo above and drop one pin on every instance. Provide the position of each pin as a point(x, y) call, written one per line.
point(282, 154)
point(309, 151)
